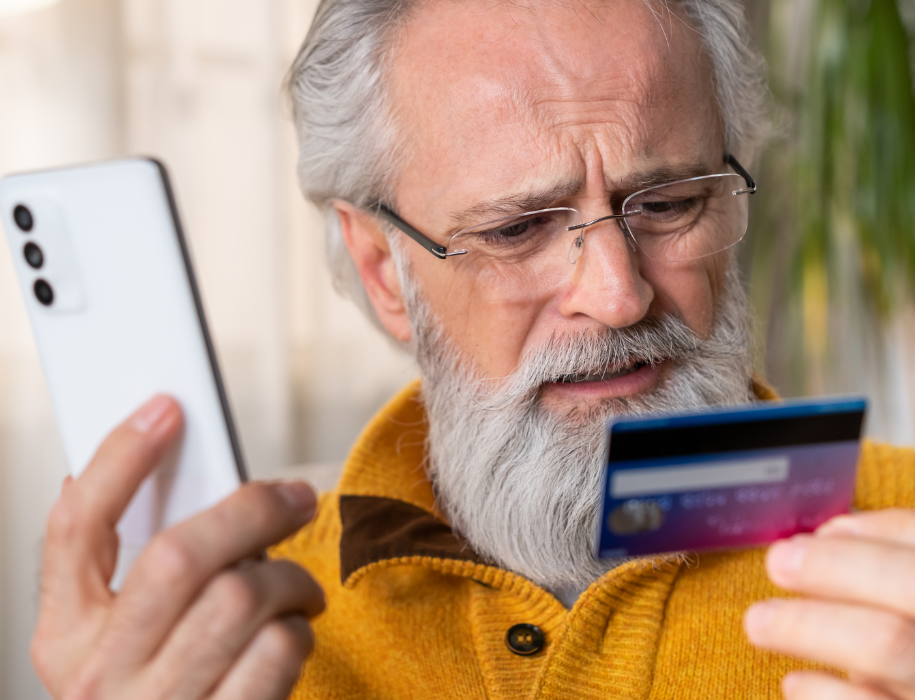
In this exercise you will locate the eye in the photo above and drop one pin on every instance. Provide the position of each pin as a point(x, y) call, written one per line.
point(519, 231)
point(670, 208)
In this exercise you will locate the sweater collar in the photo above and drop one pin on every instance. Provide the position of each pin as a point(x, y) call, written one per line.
point(387, 505)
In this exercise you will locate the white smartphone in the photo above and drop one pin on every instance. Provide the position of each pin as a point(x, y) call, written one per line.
point(107, 278)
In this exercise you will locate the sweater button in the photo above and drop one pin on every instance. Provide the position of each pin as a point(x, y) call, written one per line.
point(524, 639)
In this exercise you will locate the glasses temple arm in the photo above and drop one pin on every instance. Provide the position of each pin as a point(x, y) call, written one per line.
point(734, 163)
point(437, 250)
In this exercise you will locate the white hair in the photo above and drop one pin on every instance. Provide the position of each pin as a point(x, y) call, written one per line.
point(349, 146)
point(520, 481)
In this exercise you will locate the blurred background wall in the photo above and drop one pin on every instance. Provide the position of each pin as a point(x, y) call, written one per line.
point(830, 256)
point(196, 82)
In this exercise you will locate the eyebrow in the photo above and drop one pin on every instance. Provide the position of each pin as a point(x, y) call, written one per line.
point(547, 197)
point(511, 204)
point(658, 176)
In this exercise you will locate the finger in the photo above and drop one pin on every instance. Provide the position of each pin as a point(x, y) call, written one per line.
point(846, 568)
point(179, 562)
point(224, 619)
point(126, 457)
point(269, 667)
point(812, 685)
point(890, 525)
point(874, 643)
point(80, 547)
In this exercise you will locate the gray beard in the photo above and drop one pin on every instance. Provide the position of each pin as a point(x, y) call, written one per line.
point(521, 483)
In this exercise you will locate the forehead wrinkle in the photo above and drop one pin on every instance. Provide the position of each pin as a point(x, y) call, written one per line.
point(617, 102)
point(617, 112)
point(516, 122)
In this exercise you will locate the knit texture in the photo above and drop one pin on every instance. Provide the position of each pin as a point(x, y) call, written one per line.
point(421, 626)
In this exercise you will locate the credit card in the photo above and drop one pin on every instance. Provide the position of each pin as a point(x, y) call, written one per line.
point(726, 478)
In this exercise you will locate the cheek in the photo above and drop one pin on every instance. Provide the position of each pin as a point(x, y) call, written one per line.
point(689, 291)
point(495, 332)
point(490, 329)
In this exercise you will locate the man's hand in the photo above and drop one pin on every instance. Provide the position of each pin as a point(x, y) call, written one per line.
point(859, 573)
point(189, 622)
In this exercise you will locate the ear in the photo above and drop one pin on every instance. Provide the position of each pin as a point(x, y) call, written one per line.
point(368, 246)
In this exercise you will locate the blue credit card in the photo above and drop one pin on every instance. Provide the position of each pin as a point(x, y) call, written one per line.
point(725, 478)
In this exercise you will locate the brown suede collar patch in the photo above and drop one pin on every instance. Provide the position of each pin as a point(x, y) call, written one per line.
point(376, 529)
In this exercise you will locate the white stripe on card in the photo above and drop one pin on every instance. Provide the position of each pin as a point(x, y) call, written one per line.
point(628, 483)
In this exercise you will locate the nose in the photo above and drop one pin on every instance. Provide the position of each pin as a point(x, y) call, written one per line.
point(607, 284)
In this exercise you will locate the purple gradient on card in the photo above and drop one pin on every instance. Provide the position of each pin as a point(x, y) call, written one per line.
point(820, 484)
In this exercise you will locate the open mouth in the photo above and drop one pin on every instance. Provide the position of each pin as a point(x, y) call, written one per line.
point(604, 374)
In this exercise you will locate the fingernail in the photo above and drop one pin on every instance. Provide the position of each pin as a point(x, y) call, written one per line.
point(151, 413)
point(842, 525)
point(785, 557)
point(758, 619)
point(299, 495)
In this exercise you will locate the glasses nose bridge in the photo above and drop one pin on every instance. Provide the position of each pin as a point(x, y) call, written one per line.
point(578, 243)
point(607, 217)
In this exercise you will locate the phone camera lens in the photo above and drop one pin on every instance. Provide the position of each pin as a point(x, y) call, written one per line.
point(33, 255)
point(43, 292)
point(23, 218)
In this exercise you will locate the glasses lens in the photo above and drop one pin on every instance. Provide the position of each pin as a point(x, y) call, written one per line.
point(516, 238)
point(689, 219)
point(518, 255)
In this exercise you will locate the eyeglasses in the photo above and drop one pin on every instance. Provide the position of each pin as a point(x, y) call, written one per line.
point(674, 222)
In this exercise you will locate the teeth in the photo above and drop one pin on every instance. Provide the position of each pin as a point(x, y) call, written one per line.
point(601, 376)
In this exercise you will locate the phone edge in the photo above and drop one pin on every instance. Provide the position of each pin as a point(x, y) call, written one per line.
point(201, 318)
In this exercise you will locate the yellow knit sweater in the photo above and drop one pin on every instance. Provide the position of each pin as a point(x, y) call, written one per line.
point(412, 612)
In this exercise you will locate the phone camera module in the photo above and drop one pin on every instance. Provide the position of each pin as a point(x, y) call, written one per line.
point(43, 292)
point(23, 218)
point(33, 255)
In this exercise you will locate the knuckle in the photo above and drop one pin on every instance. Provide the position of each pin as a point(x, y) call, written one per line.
point(86, 686)
point(293, 570)
point(795, 691)
point(309, 595)
point(236, 596)
point(307, 640)
point(42, 655)
point(125, 443)
point(81, 691)
point(316, 601)
point(168, 559)
point(893, 647)
point(262, 506)
point(284, 644)
point(900, 517)
point(888, 522)
point(907, 595)
point(64, 522)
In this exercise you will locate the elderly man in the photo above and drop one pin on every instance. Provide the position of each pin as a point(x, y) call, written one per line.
point(507, 189)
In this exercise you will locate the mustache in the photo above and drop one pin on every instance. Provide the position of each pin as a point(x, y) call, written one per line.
point(601, 351)
point(609, 350)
